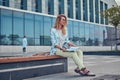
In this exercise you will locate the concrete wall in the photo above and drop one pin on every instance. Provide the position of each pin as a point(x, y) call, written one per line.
point(18, 49)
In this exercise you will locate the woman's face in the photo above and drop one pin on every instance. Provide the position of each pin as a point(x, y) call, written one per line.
point(62, 21)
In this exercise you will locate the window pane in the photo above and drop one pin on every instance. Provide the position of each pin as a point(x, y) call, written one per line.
point(38, 28)
point(91, 38)
point(70, 30)
point(75, 33)
point(61, 6)
point(82, 34)
point(29, 27)
point(17, 27)
point(85, 10)
point(87, 34)
point(47, 27)
point(96, 41)
point(6, 27)
point(70, 8)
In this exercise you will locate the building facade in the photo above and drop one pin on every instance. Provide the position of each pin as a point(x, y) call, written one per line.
point(35, 18)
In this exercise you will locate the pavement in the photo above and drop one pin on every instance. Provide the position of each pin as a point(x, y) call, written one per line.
point(105, 68)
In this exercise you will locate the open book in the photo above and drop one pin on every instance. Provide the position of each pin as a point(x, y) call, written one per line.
point(72, 49)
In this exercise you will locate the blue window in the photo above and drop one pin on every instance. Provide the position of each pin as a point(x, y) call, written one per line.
point(51, 7)
point(47, 28)
point(82, 34)
point(6, 27)
point(70, 8)
point(0, 2)
point(106, 20)
point(38, 5)
point(70, 30)
point(4, 3)
point(91, 11)
point(78, 10)
point(17, 27)
point(29, 28)
point(97, 34)
point(75, 29)
point(38, 30)
point(85, 10)
point(96, 11)
point(91, 38)
point(61, 6)
point(24, 4)
point(87, 41)
point(101, 10)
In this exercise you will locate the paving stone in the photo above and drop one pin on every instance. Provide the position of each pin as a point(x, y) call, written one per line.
point(108, 77)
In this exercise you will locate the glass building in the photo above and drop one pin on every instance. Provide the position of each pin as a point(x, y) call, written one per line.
point(35, 18)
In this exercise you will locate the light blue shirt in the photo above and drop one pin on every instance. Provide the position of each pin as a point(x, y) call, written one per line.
point(55, 39)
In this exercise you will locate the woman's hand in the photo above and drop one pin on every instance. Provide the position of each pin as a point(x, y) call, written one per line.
point(63, 49)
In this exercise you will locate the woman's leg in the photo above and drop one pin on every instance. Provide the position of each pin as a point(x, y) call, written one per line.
point(80, 55)
point(73, 55)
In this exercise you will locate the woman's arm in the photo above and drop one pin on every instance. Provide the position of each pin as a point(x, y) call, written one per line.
point(54, 40)
point(63, 49)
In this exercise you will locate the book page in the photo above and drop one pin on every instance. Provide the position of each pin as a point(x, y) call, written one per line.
point(72, 49)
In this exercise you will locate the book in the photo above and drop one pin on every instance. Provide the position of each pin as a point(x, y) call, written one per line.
point(72, 49)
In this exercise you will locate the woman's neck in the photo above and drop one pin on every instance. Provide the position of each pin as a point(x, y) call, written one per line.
point(60, 27)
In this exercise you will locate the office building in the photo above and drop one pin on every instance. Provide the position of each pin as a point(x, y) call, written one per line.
point(34, 19)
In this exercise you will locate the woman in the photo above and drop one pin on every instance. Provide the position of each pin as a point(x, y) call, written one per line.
point(59, 36)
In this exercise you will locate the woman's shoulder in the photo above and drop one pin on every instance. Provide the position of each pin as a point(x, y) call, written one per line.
point(53, 29)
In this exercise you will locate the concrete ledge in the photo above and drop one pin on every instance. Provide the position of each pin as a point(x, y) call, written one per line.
point(27, 58)
point(19, 68)
point(117, 53)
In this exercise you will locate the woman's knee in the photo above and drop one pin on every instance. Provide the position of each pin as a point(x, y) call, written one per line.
point(80, 51)
point(74, 54)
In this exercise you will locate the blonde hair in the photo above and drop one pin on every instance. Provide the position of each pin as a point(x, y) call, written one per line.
point(57, 23)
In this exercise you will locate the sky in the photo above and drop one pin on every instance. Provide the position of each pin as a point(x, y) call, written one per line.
point(118, 2)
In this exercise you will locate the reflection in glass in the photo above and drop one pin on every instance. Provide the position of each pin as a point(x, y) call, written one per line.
point(31, 41)
point(6, 26)
point(82, 34)
point(97, 34)
point(29, 26)
point(47, 27)
point(87, 39)
point(17, 27)
point(91, 34)
point(70, 30)
point(76, 37)
point(38, 29)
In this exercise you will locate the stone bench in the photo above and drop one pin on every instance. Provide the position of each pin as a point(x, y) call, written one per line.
point(18, 68)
